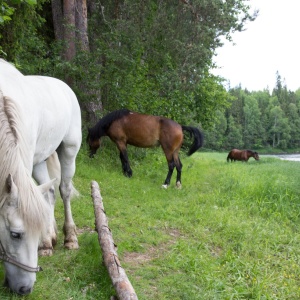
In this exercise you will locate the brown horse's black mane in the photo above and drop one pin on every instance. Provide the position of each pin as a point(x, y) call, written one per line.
point(103, 124)
point(250, 151)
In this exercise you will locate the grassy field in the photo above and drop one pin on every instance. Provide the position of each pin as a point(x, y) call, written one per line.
point(231, 232)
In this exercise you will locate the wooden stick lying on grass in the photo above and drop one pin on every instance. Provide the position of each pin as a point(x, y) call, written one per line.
point(117, 274)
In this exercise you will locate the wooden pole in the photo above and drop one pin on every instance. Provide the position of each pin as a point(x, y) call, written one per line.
point(117, 274)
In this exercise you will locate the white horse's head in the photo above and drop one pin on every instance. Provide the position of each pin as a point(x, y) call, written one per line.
point(18, 242)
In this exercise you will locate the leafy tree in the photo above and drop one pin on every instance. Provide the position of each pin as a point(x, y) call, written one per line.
point(280, 129)
point(234, 137)
point(209, 96)
point(12, 28)
point(297, 98)
point(236, 108)
point(282, 93)
point(149, 55)
point(215, 136)
point(8, 8)
point(252, 127)
point(167, 45)
point(26, 46)
point(6, 12)
point(70, 25)
point(263, 98)
point(294, 123)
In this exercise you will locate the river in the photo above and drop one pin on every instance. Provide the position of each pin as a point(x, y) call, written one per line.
point(291, 157)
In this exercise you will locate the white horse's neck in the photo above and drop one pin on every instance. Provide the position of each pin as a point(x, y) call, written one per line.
point(13, 152)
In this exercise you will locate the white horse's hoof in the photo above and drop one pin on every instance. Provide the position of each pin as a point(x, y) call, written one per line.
point(45, 252)
point(164, 186)
point(71, 245)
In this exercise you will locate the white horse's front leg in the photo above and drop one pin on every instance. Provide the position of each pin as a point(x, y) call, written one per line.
point(69, 228)
point(67, 155)
point(41, 176)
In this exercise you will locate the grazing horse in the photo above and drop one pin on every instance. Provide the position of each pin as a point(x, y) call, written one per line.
point(38, 116)
point(242, 155)
point(126, 127)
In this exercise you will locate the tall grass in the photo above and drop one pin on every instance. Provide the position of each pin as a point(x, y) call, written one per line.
point(231, 232)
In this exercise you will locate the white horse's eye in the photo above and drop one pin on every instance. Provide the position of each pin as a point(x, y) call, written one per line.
point(16, 235)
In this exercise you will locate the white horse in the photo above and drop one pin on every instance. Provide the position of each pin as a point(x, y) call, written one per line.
point(38, 116)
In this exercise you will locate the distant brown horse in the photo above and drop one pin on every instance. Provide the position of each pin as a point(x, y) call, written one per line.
point(242, 155)
point(126, 127)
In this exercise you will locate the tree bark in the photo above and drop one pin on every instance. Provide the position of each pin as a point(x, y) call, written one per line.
point(117, 274)
point(70, 22)
point(57, 16)
point(82, 25)
point(69, 29)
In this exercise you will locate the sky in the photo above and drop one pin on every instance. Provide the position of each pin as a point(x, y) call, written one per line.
point(269, 44)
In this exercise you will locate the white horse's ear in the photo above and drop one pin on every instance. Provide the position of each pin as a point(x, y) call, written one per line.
point(45, 187)
point(11, 189)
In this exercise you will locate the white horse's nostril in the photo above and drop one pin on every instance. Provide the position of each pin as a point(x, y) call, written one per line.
point(24, 290)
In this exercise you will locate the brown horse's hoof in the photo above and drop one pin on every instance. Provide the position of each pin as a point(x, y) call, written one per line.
point(128, 174)
point(178, 185)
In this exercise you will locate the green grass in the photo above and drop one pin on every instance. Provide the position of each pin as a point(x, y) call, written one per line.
point(231, 232)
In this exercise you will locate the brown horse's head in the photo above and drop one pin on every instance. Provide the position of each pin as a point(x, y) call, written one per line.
point(255, 156)
point(94, 144)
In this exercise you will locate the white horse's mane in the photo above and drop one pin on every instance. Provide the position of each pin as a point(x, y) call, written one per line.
point(14, 151)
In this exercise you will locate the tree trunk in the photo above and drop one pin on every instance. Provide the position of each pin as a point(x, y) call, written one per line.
point(69, 29)
point(57, 16)
point(82, 25)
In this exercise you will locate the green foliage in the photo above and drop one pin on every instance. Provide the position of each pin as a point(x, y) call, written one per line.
point(209, 97)
point(145, 55)
point(6, 12)
point(25, 45)
point(215, 136)
point(259, 119)
point(234, 137)
point(8, 8)
point(154, 64)
point(252, 125)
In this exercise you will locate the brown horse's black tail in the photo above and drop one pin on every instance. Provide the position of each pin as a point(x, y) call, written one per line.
point(198, 138)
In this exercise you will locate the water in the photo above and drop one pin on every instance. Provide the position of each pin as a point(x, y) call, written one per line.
point(291, 157)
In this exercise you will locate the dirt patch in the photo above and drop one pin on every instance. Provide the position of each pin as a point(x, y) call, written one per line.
point(85, 229)
point(137, 258)
point(216, 251)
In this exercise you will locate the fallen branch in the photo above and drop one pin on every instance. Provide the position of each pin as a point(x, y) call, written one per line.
point(117, 274)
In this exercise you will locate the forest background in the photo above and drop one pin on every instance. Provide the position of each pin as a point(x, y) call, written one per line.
point(154, 57)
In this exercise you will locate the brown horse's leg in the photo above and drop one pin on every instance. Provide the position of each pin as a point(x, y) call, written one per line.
point(172, 163)
point(178, 165)
point(171, 166)
point(125, 162)
point(171, 144)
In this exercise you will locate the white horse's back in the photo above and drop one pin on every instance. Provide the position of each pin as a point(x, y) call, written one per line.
point(47, 101)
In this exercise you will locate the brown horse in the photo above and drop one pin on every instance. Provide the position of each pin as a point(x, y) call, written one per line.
point(242, 155)
point(126, 127)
